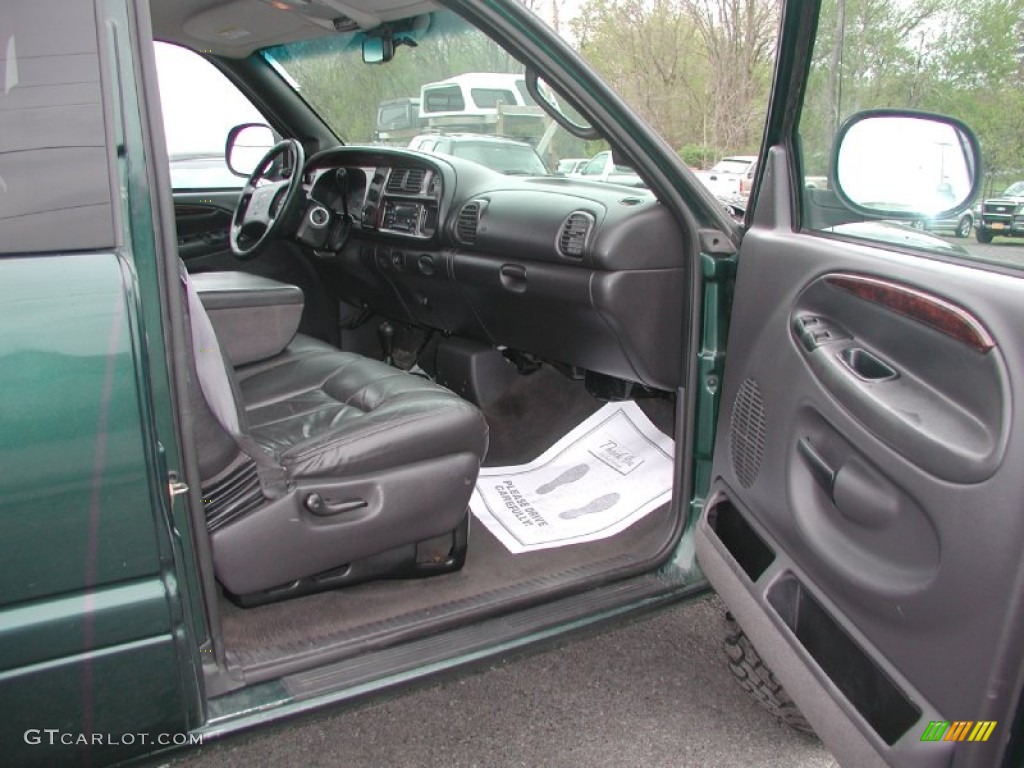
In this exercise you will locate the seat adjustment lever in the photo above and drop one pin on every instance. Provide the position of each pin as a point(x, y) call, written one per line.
point(316, 504)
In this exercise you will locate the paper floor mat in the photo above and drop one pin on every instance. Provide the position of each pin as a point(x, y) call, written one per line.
point(598, 480)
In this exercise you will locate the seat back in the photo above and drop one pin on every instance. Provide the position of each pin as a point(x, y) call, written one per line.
point(237, 475)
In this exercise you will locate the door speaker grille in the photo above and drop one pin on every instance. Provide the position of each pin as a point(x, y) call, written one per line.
point(747, 432)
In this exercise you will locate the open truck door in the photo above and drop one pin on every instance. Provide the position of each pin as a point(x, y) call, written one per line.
point(864, 522)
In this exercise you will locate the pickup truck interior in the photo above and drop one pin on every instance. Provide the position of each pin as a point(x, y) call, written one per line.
point(371, 324)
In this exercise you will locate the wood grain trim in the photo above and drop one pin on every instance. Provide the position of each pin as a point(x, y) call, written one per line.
point(196, 210)
point(932, 311)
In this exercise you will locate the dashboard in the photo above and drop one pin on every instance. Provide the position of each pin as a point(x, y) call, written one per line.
point(587, 274)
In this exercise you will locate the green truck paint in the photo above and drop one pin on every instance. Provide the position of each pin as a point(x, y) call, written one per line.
point(85, 612)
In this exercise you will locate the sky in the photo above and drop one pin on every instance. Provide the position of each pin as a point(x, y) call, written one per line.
point(197, 120)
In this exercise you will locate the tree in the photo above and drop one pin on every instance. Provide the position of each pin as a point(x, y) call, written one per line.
point(650, 53)
point(739, 38)
point(697, 70)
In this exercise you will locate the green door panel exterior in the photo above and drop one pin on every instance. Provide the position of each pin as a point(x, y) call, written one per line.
point(89, 642)
point(72, 711)
point(49, 629)
point(75, 509)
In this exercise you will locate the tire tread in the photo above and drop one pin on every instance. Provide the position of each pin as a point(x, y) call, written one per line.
point(754, 676)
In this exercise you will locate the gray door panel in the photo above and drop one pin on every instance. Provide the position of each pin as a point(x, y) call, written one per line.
point(867, 490)
point(202, 219)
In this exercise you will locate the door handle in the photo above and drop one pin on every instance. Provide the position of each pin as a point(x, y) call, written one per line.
point(821, 470)
point(866, 366)
point(857, 492)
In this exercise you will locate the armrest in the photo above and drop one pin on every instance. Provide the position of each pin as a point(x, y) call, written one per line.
point(255, 317)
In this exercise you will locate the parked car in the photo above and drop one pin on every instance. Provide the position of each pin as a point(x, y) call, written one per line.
point(1003, 215)
point(959, 225)
point(244, 431)
point(203, 171)
point(398, 120)
point(602, 167)
point(513, 158)
point(731, 176)
point(571, 166)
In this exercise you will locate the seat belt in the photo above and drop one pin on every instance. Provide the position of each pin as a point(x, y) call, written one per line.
point(215, 384)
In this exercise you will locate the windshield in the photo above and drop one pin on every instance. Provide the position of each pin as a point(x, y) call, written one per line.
point(507, 158)
point(453, 80)
point(1015, 190)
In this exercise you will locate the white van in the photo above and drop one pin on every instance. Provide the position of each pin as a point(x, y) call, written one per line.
point(482, 102)
point(474, 93)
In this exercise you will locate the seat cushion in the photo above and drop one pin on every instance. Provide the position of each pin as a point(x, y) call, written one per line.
point(324, 412)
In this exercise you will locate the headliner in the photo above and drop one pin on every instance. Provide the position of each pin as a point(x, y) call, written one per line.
point(236, 28)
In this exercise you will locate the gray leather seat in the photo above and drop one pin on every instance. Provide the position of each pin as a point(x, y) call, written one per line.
point(323, 411)
point(342, 469)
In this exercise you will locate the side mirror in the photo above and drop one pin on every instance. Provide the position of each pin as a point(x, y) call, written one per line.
point(905, 165)
point(379, 49)
point(246, 146)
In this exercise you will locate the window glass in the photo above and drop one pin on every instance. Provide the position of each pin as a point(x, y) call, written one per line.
point(596, 165)
point(505, 157)
point(699, 72)
point(524, 94)
point(451, 63)
point(488, 98)
point(394, 117)
point(960, 59)
point(200, 106)
point(55, 190)
point(732, 165)
point(444, 99)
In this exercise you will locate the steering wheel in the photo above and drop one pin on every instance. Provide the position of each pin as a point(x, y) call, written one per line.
point(268, 199)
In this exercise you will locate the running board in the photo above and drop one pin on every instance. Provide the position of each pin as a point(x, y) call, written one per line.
point(263, 664)
point(355, 678)
point(479, 640)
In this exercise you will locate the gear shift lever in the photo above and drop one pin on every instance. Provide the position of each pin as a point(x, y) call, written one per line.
point(386, 336)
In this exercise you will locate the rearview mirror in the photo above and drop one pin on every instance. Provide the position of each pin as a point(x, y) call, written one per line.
point(906, 165)
point(246, 146)
point(378, 50)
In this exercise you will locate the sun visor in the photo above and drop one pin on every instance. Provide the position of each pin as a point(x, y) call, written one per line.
point(237, 28)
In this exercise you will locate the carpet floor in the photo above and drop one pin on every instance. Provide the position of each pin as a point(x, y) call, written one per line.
point(535, 412)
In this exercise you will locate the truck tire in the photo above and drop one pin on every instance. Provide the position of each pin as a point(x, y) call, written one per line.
point(757, 680)
point(983, 235)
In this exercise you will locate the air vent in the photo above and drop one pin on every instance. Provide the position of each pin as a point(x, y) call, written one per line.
point(572, 237)
point(469, 219)
point(407, 181)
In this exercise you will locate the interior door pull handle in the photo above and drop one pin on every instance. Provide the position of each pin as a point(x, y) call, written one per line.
point(822, 471)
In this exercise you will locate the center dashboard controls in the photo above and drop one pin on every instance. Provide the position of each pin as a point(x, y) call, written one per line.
point(402, 200)
point(402, 217)
point(409, 202)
